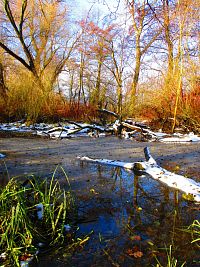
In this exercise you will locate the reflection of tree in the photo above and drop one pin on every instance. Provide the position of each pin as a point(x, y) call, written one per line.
point(117, 174)
point(135, 191)
point(135, 214)
point(143, 208)
point(99, 171)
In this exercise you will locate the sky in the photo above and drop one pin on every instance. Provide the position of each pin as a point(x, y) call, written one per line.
point(83, 6)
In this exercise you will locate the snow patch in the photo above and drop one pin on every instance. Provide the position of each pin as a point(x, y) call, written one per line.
point(73, 129)
point(2, 156)
point(181, 138)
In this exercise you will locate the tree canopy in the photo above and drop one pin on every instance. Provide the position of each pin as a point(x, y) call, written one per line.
point(139, 58)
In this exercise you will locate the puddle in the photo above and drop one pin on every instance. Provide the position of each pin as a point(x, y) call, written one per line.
point(125, 214)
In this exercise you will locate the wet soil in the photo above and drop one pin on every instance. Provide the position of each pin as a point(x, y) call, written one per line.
point(123, 214)
point(41, 156)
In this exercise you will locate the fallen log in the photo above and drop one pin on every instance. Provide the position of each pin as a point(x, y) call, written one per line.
point(150, 167)
point(66, 131)
point(138, 128)
point(131, 127)
point(176, 181)
point(89, 127)
point(116, 163)
point(108, 112)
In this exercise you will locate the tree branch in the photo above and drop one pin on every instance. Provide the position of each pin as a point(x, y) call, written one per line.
point(21, 60)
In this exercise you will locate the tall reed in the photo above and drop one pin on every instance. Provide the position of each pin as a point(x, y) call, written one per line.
point(21, 229)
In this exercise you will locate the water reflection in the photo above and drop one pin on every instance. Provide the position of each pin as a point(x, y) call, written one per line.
point(128, 213)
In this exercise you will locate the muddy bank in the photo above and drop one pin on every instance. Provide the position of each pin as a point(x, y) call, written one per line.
point(41, 156)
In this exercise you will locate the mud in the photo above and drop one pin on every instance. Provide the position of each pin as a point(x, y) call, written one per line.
point(41, 156)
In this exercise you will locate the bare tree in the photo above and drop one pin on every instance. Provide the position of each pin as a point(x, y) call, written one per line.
point(145, 33)
point(36, 36)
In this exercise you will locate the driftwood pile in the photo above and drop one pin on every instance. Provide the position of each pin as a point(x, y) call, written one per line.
point(128, 129)
point(71, 128)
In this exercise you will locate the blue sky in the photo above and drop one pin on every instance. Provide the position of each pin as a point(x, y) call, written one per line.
point(85, 5)
point(101, 7)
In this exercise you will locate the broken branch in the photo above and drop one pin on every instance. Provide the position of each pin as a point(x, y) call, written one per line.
point(176, 181)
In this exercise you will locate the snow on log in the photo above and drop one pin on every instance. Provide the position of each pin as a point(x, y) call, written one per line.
point(131, 127)
point(68, 131)
point(150, 167)
point(179, 182)
point(180, 138)
point(116, 163)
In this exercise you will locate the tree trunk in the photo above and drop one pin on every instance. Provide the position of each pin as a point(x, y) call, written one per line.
point(119, 97)
point(96, 93)
point(168, 39)
point(136, 74)
point(3, 88)
point(71, 85)
point(179, 67)
point(81, 84)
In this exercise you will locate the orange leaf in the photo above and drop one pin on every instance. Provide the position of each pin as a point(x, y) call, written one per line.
point(138, 254)
point(137, 237)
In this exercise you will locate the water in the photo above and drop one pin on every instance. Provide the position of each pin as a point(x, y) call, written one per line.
point(124, 214)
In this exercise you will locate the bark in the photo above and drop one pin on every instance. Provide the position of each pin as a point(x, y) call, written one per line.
point(141, 45)
point(179, 66)
point(30, 65)
point(97, 97)
point(3, 88)
point(168, 39)
point(137, 69)
point(175, 181)
point(117, 72)
point(109, 113)
point(81, 85)
point(71, 85)
point(116, 163)
point(131, 127)
point(33, 52)
point(21, 60)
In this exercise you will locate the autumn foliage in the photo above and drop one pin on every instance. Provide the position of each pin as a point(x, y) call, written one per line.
point(142, 62)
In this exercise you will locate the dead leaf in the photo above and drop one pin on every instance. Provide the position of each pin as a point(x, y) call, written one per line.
point(138, 254)
point(130, 252)
point(133, 253)
point(137, 237)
